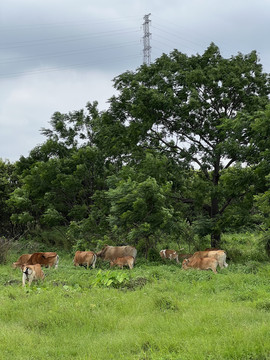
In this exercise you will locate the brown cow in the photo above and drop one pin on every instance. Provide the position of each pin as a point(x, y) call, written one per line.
point(206, 263)
point(47, 259)
point(32, 272)
point(219, 255)
point(21, 261)
point(169, 254)
point(123, 261)
point(109, 253)
point(85, 258)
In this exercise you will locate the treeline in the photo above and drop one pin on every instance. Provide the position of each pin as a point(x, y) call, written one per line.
point(181, 153)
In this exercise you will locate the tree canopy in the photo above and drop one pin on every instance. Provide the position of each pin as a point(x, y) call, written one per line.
point(183, 144)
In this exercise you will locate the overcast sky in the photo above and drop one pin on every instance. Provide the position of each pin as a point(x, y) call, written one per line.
point(56, 55)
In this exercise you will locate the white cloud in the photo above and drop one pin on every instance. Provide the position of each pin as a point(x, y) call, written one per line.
point(28, 106)
point(89, 43)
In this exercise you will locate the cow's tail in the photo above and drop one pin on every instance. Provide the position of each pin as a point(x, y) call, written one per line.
point(94, 261)
point(57, 261)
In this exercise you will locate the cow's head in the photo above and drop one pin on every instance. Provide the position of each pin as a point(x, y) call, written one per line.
point(101, 253)
point(185, 263)
point(26, 270)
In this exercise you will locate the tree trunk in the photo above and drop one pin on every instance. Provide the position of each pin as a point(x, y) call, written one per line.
point(215, 240)
point(215, 235)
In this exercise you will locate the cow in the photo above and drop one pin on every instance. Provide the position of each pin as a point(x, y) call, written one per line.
point(206, 263)
point(219, 255)
point(123, 261)
point(47, 259)
point(109, 253)
point(21, 261)
point(169, 254)
point(85, 258)
point(31, 272)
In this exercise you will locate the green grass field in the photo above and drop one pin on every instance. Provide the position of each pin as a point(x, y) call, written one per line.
point(155, 311)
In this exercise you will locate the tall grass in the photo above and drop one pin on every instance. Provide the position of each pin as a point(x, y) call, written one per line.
point(158, 311)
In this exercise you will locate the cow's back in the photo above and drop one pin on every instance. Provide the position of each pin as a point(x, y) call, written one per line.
point(113, 252)
point(84, 258)
point(43, 258)
point(204, 263)
point(22, 260)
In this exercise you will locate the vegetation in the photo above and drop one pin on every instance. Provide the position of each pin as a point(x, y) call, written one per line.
point(181, 157)
point(155, 311)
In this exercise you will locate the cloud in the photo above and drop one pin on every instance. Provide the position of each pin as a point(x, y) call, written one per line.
point(58, 55)
point(29, 105)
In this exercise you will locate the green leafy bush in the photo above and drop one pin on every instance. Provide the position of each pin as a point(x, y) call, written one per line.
point(111, 278)
point(5, 246)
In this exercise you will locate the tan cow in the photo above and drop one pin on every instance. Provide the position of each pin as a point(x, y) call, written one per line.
point(219, 255)
point(85, 258)
point(47, 259)
point(21, 261)
point(123, 261)
point(31, 272)
point(109, 253)
point(206, 263)
point(169, 254)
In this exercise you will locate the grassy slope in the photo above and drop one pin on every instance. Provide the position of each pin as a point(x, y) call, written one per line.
point(176, 315)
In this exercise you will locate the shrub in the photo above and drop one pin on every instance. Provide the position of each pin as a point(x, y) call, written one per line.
point(111, 278)
point(5, 246)
point(153, 255)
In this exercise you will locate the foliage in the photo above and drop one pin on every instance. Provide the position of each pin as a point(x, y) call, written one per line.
point(8, 182)
point(179, 105)
point(5, 246)
point(162, 320)
point(181, 155)
point(111, 278)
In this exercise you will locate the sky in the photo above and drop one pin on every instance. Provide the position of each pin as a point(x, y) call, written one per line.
point(58, 55)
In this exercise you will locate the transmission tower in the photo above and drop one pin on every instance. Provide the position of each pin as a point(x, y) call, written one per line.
point(146, 40)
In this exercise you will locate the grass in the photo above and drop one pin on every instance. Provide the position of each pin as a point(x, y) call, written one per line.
point(156, 311)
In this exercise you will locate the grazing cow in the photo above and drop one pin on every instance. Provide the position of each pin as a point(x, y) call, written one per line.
point(31, 272)
point(47, 259)
point(85, 258)
point(109, 253)
point(169, 254)
point(206, 263)
point(219, 255)
point(123, 261)
point(21, 261)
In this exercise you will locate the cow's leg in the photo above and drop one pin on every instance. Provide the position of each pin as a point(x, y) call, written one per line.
point(23, 279)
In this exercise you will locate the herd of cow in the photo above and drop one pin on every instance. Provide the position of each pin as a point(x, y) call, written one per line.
point(120, 256)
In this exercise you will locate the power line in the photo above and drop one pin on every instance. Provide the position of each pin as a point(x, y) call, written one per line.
point(66, 67)
point(67, 39)
point(65, 53)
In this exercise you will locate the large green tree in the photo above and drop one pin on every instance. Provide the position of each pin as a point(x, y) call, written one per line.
point(178, 105)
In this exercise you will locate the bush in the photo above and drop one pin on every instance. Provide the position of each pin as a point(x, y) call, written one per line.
point(153, 255)
point(5, 246)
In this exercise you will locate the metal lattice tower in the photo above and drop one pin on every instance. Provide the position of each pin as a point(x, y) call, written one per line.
point(146, 40)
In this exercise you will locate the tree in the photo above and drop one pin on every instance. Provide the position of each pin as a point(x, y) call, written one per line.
point(139, 209)
point(179, 104)
point(8, 182)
